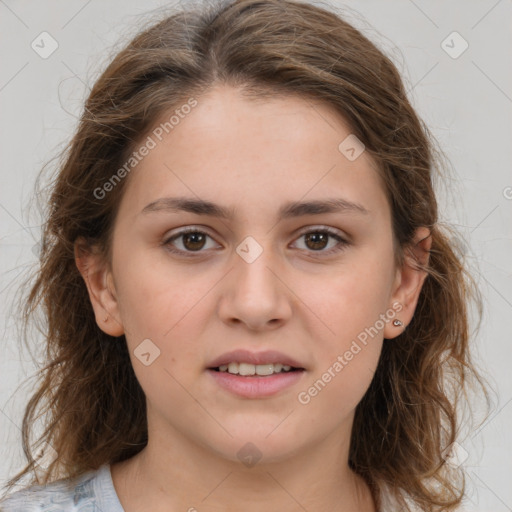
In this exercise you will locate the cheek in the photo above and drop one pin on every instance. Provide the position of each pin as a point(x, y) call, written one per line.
point(164, 309)
point(352, 306)
point(348, 351)
point(350, 300)
point(148, 291)
point(159, 303)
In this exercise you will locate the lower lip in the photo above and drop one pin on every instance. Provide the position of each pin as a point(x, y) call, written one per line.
point(256, 386)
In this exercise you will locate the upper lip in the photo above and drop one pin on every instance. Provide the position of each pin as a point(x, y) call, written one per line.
point(245, 356)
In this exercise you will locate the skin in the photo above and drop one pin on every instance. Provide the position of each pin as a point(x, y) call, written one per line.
point(309, 304)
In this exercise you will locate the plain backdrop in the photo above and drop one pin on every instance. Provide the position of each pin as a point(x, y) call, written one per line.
point(455, 58)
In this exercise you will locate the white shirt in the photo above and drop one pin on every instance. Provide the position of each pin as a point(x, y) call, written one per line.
point(92, 491)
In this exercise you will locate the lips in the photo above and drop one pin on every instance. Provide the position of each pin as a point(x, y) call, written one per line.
point(255, 358)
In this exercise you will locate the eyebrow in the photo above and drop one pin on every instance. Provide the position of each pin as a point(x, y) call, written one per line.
point(287, 211)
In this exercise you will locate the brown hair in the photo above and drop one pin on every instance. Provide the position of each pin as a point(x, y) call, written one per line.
point(93, 405)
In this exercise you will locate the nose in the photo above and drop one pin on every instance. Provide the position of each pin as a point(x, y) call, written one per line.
point(255, 293)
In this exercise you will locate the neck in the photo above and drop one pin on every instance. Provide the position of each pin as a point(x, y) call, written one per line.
point(186, 476)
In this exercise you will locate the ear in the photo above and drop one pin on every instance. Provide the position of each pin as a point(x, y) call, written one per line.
point(100, 285)
point(409, 281)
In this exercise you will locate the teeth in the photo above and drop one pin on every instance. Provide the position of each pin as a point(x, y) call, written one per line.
point(264, 369)
point(254, 369)
point(246, 369)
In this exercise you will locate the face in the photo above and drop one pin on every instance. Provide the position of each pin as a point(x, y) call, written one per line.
point(309, 287)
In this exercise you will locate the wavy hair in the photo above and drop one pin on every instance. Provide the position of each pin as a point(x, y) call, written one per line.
point(93, 407)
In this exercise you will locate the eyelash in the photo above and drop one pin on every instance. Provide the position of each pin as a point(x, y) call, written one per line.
point(324, 230)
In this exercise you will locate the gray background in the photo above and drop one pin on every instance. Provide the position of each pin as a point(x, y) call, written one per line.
point(466, 101)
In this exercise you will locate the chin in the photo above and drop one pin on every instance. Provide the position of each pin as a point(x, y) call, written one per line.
point(255, 446)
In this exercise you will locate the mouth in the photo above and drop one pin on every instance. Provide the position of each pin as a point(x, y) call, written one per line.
point(260, 370)
point(245, 362)
point(255, 375)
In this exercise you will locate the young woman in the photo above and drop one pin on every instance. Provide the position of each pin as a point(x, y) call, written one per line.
point(250, 302)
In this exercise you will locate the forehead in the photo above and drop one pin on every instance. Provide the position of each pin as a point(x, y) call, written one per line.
point(230, 149)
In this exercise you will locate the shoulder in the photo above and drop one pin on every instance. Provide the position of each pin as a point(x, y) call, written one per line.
point(65, 495)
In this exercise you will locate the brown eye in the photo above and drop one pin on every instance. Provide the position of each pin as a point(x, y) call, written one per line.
point(188, 241)
point(317, 241)
point(193, 241)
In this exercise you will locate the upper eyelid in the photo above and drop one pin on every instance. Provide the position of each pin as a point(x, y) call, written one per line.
point(200, 228)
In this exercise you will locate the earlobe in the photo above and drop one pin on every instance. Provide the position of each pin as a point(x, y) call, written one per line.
point(409, 282)
point(100, 286)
